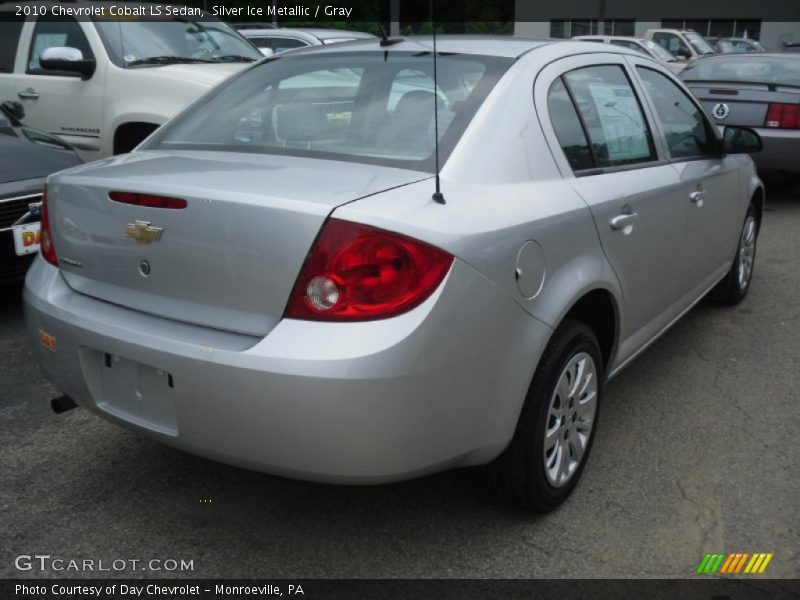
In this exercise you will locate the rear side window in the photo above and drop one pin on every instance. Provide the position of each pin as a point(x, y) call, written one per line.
point(10, 30)
point(611, 116)
point(568, 128)
point(686, 129)
point(54, 32)
point(282, 44)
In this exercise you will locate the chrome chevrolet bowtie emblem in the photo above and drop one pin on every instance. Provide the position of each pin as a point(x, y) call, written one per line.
point(142, 232)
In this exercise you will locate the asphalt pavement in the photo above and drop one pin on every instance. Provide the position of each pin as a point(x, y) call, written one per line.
point(697, 451)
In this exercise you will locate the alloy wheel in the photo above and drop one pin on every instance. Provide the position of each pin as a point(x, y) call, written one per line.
point(570, 419)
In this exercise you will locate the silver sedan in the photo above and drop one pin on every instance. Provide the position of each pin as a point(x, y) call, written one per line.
point(278, 279)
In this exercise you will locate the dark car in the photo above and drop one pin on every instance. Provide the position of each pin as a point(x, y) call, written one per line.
point(27, 157)
point(755, 89)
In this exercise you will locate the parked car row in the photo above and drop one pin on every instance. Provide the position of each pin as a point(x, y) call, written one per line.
point(276, 40)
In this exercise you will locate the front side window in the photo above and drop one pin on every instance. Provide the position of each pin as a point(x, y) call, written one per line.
point(54, 32)
point(687, 131)
point(362, 107)
point(10, 30)
point(611, 116)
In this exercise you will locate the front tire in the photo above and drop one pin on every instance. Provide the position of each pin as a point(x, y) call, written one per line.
point(734, 287)
point(542, 464)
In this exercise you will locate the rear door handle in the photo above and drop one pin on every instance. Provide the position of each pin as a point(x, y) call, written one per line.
point(697, 197)
point(622, 221)
point(29, 94)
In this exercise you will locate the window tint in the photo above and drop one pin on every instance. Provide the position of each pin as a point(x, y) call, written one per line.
point(10, 29)
point(611, 115)
point(341, 106)
point(568, 128)
point(686, 129)
point(56, 32)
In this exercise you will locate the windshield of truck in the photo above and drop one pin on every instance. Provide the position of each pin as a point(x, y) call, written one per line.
point(134, 44)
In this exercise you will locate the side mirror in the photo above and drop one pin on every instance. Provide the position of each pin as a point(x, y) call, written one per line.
point(682, 53)
point(740, 140)
point(267, 52)
point(13, 109)
point(68, 60)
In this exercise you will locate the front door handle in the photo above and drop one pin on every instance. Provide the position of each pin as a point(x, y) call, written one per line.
point(697, 197)
point(623, 221)
point(29, 94)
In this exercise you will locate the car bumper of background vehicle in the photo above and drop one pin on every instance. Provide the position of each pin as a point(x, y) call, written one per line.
point(781, 151)
point(12, 267)
point(438, 387)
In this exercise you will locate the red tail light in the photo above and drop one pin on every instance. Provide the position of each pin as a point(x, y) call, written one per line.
point(357, 273)
point(46, 248)
point(783, 116)
point(147, 200)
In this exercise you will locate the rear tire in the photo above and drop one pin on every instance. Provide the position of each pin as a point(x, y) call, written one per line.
point(542, 464)
point(734, 287)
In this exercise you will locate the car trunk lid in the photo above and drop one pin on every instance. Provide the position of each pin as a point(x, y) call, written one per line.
point(741, 104)
point(227, 260)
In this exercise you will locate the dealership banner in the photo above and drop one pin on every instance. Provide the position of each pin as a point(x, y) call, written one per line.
point(378, 589)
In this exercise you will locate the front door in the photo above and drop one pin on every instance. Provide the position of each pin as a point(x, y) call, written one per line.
point(61, 103)
point(709, 181)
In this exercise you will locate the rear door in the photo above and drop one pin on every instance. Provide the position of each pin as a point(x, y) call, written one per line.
point(603, 141)
point(709, 181)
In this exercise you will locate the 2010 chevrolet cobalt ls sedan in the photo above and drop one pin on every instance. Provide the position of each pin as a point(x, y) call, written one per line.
point(269, 280)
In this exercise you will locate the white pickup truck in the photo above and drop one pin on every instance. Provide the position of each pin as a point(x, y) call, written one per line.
point(104, 84)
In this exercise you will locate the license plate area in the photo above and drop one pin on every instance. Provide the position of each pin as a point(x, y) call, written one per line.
point(135, 392)
point(26, 238)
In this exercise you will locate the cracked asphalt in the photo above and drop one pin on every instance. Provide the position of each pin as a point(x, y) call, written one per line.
point(697, 451)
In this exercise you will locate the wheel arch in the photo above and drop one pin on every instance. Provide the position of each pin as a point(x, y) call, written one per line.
point(758, 201)
point(130, 134)
point(599, 310)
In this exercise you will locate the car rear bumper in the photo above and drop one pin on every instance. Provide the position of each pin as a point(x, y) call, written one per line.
point(438, 387)
point(781, 151)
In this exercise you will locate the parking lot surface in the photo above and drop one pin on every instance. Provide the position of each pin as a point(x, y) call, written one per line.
point(697, 451)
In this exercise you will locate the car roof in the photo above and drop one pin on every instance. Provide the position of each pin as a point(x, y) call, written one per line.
point(483, 45)
point(748, 56)
point(325, 34)
point(627, 38)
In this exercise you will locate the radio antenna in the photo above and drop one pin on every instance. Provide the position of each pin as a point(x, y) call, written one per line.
point(437, 195)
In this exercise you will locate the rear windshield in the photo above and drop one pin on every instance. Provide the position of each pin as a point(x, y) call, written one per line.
point(745, 69)
point(372, 107)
